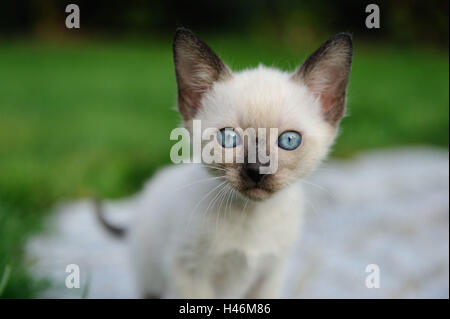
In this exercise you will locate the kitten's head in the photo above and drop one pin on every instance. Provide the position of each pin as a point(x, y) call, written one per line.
point(305, 106)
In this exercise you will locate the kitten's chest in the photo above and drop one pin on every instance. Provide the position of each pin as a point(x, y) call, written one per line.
point(235, 271)
point(266, 230)
point(236, 264)
point(239, 248)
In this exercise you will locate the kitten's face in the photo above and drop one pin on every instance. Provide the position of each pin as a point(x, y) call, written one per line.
point(267, 98)
point(307, 104)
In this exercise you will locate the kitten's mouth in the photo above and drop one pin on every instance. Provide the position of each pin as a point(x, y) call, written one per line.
point(257, 193)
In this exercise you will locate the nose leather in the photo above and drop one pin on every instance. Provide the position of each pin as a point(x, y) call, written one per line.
point(253, 173)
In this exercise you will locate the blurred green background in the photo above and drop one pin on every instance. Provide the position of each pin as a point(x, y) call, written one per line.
point(88, 111)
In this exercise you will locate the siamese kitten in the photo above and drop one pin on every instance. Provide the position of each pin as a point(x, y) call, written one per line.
point(224, 230)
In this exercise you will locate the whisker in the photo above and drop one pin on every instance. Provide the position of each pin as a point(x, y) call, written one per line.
point(200, 181)
point(202, 199)
point(229, 193)
point(316, 212)
point(219, 211)
point(319, 187)
point(245, 205)
point(215, 167)
point(215, 197)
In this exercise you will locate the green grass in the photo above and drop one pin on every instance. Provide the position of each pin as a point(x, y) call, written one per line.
point(84, 119)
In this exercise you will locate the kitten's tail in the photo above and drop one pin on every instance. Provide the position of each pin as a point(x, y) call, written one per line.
point(113, 229)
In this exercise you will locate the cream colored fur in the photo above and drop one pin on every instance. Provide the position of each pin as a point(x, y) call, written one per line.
point(198, 233)
point(185, 244)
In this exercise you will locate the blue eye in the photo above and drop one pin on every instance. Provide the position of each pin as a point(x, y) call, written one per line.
point(289, 140)
point(228, 138)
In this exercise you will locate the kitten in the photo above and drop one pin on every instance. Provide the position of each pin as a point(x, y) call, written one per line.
point(224, 230)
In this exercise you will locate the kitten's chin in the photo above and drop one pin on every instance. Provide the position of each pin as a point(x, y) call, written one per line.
point(257, 193)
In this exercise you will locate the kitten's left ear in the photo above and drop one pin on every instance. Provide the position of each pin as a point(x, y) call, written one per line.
point(326, 74)
point(197, 67)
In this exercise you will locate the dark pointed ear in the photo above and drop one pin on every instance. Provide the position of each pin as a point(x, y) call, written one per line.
point(326, 74)
point(197, 67)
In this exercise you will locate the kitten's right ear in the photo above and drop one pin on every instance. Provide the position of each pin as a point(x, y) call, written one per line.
point(197, 67)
